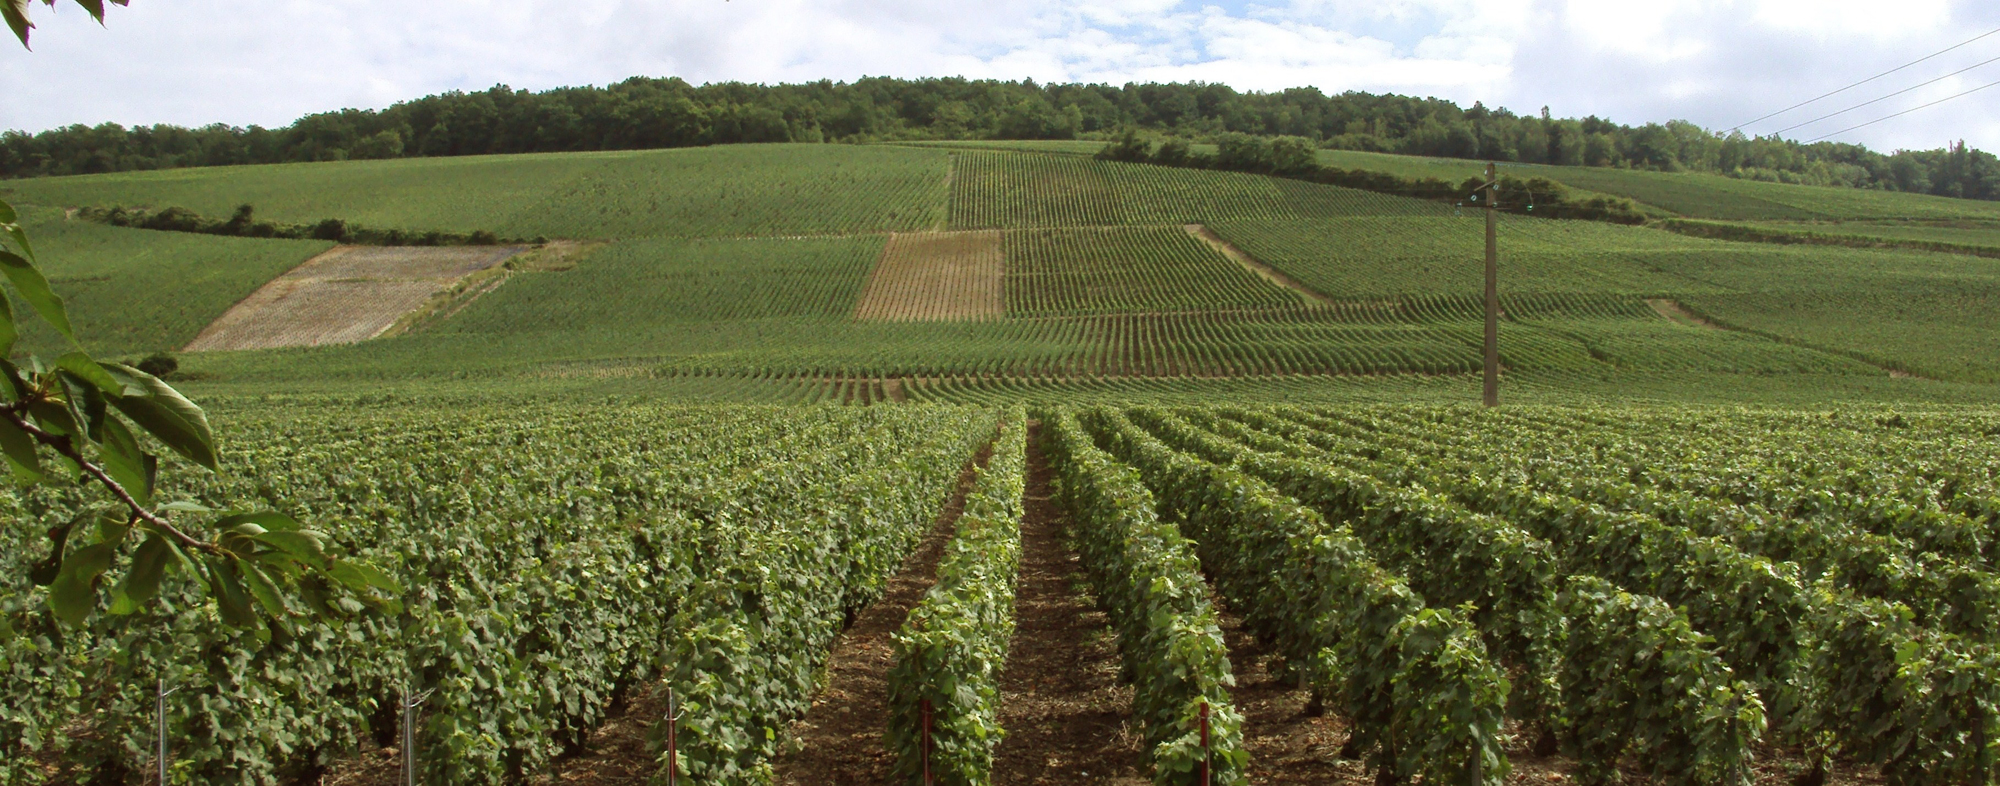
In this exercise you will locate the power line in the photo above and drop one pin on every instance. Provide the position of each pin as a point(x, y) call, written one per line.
point(1885, 98)
point(1904, 112)
point(1740, 126)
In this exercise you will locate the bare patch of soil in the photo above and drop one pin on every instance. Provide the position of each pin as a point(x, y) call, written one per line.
point(1067, 716)
point(839, 741)
point(1239, 256)
point(936, 276)
point(346, 295)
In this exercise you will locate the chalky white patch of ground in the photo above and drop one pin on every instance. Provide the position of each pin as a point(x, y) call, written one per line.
point(346, 295)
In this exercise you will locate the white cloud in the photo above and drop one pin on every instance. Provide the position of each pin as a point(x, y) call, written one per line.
point(1717, 62)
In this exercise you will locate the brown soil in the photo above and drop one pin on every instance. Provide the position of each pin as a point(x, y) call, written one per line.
point(348, 294)
point(936, 276)
point(839, 741)
point(1068, 719)
point(1239, 256)
point(1286, 746)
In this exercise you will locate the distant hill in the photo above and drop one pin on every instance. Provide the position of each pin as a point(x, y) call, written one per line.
point(643, 113)
point(965, 270)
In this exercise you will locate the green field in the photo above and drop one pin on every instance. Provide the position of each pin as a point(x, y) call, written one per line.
point(1695, 195)
point(746, 263)
point(705, 192)
point(1709, 524)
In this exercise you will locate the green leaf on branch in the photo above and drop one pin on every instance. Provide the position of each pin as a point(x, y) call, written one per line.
point(34, 288)
point(166, 414)
point(20, 451)
point(8, 335)
point(74, 592)
point(359, 576)
point(83, 368)
point(125, 462)
point(16, 12)
point(230, 598)
point(263, 589)
point(44, 573)
point(142, 579)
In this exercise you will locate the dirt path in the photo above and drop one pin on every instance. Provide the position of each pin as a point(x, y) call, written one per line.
point(1068, 719)
point(1228, 249)
point(1286, 745)
point(839, 741)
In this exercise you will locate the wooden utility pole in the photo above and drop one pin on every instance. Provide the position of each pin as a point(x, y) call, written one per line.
point(1492, 288)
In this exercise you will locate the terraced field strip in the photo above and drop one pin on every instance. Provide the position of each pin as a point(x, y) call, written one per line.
point(936, 277)
point(346, 295)
point(1225, 248)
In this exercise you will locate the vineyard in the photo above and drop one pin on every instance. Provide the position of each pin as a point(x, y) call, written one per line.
point(1686, 594)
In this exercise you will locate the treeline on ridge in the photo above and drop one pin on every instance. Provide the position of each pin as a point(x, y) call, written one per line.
point(1294, 157)
point(642, 113)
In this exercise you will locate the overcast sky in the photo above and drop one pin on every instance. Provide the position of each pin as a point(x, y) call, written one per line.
point(1716, 62)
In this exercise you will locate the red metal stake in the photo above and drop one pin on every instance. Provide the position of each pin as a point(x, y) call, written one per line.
point(924, 741)
point(1204, 744)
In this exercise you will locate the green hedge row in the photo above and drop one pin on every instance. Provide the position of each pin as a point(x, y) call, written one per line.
point(1147, 578)
point(1416, 683)
point(244, 224)
point(952, 648)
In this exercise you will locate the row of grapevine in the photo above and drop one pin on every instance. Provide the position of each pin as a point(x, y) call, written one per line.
point(944, 693)
point(1005, 190)
point(1944, 592)
point(1416, 682)
point(550, 560)
point(1128, 269)
point(1890, 489)
point(1923, 724)
point(1507, 579)
point(1147, 578)
point(745, 648)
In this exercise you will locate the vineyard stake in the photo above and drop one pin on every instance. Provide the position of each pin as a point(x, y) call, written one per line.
point(673, 738)
point(924, 740)
point(160, 707)
point(1492, 288)
point(1205, 755)
point(410, 705)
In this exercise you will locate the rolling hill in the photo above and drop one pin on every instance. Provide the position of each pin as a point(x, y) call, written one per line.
point(749, 263)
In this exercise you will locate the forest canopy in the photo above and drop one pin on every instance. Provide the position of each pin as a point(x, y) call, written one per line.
point(654, 113)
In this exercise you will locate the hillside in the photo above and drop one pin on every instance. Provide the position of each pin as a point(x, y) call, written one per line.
point(752, 263)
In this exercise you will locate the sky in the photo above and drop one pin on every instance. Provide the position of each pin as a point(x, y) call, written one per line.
point(1719, 63)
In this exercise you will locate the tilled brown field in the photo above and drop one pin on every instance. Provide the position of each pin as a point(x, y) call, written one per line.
point(935, 277)
point(348, 294)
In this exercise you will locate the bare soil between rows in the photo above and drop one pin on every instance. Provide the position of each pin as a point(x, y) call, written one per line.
point(839, 741)
point(1067, 717)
